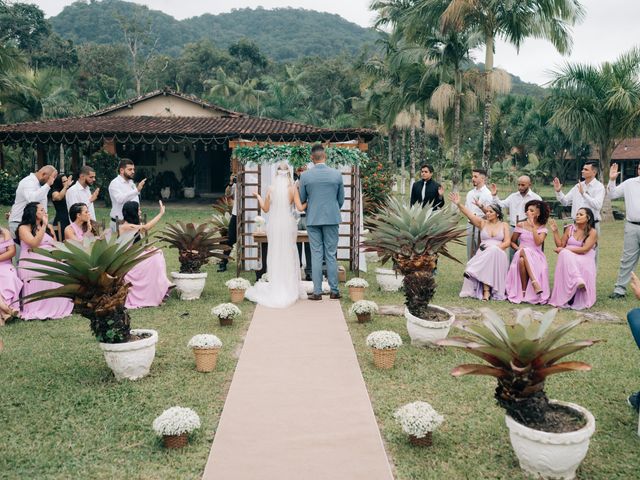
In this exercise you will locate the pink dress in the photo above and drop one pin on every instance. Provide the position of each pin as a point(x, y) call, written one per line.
point(489, 267)
point(149, 282)
point(10, 283)
point(42, 309)
point(572, 270)
point(77, 230)
point(538, 264)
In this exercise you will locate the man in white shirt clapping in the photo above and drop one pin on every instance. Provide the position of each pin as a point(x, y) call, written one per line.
point(80, 192)
point(477, 197)
point(123, 190)
point(34, 188)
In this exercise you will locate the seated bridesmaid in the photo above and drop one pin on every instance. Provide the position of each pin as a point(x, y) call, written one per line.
point(10, 283)
point(80, 225)
point(486, 271)
point(528, 276)
point(149, 282)
point(575, 279)
point(34, 232)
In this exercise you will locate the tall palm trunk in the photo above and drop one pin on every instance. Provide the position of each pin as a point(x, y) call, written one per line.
point(390, 149)
point(606, 151)
point(412, 150)
point(403, 150)
point(488, 102)
point(457, 131)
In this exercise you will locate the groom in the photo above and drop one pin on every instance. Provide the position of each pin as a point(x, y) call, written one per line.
point(323, 189)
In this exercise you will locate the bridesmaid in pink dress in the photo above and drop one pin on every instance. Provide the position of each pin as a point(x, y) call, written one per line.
point(10, 283)
point(32, 233)
point(528, 276)
point(485, 273)
point(575, 279)
point(80, 222)
point(149, 282)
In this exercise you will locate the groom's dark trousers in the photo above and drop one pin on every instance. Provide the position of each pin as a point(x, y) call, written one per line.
point(327, 236)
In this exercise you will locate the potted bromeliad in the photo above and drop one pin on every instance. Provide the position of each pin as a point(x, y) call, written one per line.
point(356, 287)
point(205, 350)
point(174, 426)
point(237, 287)
point(550, 437)
point(384, 345)
point(195, 244)
point(418, 420)
point(413, 238)
point(363, 309)
point(92, 274)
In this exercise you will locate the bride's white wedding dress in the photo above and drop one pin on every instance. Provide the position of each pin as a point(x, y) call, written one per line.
point(284, 287)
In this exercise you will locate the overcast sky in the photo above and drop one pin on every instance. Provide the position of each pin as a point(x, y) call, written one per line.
point(610, 28)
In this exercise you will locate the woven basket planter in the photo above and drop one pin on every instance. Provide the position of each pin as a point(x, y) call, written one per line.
point(425, 441)
point(363, 317)
point(237, 295)
point(356, 293)
point(175, 441)
point(225, 322)
point(384, 358)
point(206, 359)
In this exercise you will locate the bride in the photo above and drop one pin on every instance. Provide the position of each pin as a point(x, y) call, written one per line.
point(284, 287)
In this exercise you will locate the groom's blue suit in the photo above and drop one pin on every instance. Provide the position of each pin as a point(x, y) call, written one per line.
point(323, 189)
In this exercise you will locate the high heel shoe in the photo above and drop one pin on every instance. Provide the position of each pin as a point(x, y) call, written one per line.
point(486, 293)
point(536, 287)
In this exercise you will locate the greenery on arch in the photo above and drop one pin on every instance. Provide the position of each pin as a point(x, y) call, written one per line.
point(298, 155)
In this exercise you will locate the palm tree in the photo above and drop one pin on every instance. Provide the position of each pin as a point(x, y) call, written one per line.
point(598, 105)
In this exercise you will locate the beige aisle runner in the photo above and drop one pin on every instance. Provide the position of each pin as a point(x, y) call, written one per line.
point(298, 408)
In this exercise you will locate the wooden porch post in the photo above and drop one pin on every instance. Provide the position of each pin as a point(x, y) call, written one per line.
point(75, 157)
point(40, 156)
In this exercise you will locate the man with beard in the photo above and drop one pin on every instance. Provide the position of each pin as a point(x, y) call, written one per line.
point(123, 190)
point(478, 197)
point(34, 188)
point(80, 192)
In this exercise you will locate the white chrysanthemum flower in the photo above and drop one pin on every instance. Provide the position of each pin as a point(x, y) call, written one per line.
point(204, 340)
point(238, 284)
point(418, 418)
point(226, 310)
point(176, 421)
point(357, 282)
point(383, 340)
point(363, 306)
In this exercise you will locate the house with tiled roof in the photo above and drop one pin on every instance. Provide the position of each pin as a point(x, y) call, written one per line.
point(626, 154)
point(165, 131)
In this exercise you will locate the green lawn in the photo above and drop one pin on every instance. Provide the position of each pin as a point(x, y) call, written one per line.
point(64, 416)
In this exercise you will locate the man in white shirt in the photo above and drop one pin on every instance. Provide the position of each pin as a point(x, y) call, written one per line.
point(630, 189)
point(123, 190)
point(34, 188)
point(80, 192)
point(476, 198)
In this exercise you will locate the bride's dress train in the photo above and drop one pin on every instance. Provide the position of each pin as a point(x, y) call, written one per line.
point(284, 287)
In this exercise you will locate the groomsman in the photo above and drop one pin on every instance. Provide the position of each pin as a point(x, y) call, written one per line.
point(123, 190)
point(33, 188)
point(477, 197)
point(427, 191)
point(630, 189)
point(80, 192)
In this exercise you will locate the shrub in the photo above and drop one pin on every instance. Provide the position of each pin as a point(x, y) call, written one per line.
point(8, 186)
point(377, 181)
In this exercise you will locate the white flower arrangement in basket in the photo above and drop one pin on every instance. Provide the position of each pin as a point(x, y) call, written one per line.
point(418, 419)
point(204, 340)
point(226, 310)
point(384, 340)
point(357, 282)
point(364, 306)
point(176, 421)
point(238, 284)
point(260, 223)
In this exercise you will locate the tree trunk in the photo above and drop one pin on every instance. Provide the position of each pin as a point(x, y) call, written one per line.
point(457, 132)
point(390, 149)
point(606, 151)
point(488, 101)
point(412, 151)
point(403, 147)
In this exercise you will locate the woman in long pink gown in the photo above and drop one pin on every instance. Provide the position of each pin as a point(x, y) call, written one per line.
point(10, 283)
point(485, 273)
point(528, 276)
point(148, 279)
point(575, 279)
point(80, 225)
point(33, 233)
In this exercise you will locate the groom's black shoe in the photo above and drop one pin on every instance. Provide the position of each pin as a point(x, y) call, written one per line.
point(335, 296)
point(313, 296)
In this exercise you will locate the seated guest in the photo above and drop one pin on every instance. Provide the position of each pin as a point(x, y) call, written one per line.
point(34, 232)
point(575, 279)
point(484, 276)
point(633, 317)
point(10, 283)
point(528, 276)
point(80, 222)
point(148, 279)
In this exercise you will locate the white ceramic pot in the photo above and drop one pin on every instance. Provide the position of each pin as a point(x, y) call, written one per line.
point(189, 192)
point(425, 333)
point(190, 285)
point(131, 360)
point(165, 193)
point(388, 280)
point(551, 455)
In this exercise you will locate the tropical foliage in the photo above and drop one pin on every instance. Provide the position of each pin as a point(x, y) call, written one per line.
point(196, 244)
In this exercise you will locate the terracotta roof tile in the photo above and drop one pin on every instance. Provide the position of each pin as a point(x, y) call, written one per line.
point(627, 149)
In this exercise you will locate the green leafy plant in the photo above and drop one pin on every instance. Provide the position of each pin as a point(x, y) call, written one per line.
point(376, 183)
point(91, 273)
point(297, 155)
point(521, 355)
point(195, 244)
point(8, 186)
point(106, 167)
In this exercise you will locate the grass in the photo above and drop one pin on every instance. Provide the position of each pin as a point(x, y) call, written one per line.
point(64, 416)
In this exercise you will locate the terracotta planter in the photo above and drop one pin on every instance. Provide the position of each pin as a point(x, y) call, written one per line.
point(342, 274)
point(237, 295)
point(425, 333)
point(175, 441)
point(551, 455)
point(384, 359)
point(356, 293)
point(363, 317)
point(225, 322)
point(425, 441)
point(206, 359)
point(131, 360)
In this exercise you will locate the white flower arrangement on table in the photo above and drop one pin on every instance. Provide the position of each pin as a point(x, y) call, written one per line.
point(384, 340)
point(204, 340)
point(238, 284)
point(418, 418)
point(363, 306)
point(226, 310)
point(357, 282)
point(260, 222)
point(176, 421)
